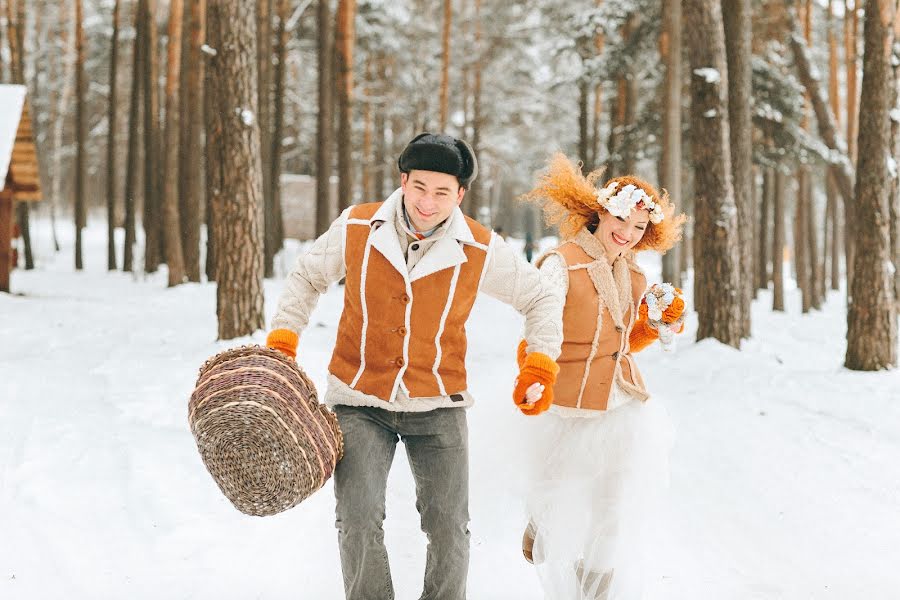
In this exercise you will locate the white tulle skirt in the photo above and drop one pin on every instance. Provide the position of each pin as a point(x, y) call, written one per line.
point(598, 480)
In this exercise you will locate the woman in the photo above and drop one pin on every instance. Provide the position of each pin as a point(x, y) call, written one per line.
point(603, 454)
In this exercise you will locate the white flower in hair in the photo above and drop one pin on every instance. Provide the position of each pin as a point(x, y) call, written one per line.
point(627, 199)
point(604, 194)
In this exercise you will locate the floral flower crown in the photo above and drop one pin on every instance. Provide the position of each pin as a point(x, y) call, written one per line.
point(627, 199)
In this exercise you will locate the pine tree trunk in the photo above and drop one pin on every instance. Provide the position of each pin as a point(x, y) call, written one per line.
point(825, 121)
point(67, 42)
point(111, 143)
point(380, 158)
point(152, 195)
point(851, 30)
point(191, 189)
point(817, 286)
point(80, 136)
point(445, 65)
point(171, 216)
point(801, 264)
point(670, 157)
point(872, 311)
point(368, 134)
point(584, 140)
point(472, 199)
point(132, 159)
point(894, 213)
point(737, 27)
point(778, 240)
point(213, 139)
point(325, 130)
point(344, 38)
point(281, 40)
point(263, 114)
point(836, 238)
point(831, 237)
point(762, 238)
point(598, 105)
point(235, 167)
point(717, 266)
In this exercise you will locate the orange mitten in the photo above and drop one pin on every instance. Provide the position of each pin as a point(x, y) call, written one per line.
point(536, 368)
point(283, 340)
point(675, 310)
point(643, 334)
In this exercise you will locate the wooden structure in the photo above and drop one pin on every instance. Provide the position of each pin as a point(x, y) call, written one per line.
point(18, 168)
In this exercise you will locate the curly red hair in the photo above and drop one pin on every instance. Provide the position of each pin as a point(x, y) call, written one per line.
point(570, 201)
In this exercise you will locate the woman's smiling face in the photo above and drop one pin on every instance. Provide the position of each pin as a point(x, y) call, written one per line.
point(618, 234)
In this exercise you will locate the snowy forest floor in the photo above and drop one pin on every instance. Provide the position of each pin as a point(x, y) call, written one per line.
point(785, 478)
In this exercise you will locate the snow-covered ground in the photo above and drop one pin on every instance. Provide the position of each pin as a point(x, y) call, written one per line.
point(785, 477)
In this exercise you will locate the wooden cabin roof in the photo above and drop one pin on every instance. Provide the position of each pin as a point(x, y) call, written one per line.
point(18, 154)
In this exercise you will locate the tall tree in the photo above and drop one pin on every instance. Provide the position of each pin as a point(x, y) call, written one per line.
point(380, 151)
point(264, 55)
point(111, 142)
point(132, 157)
point(325, 130)
point(445, 65)
point(67, 43)
point(368, 134)
point(851, 35)
point(171, 216)
point(275, 234)
point(717, 266)
point(778, 240)
point(471, 199)
point(191, 191)
point(872, 312)
point(80, 135)
point(762, 231)
point(736, 15)
point(670, 159)
point(153, 230)
point(343, 43)
point(235, 167)
point(832, 231)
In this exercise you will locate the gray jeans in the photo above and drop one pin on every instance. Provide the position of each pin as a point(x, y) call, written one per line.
point(437, 446)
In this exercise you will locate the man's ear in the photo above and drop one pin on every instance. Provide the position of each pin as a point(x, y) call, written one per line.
point(462, 192)
point(404, 178)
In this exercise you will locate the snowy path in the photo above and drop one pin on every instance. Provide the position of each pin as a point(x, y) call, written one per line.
point(784, 478)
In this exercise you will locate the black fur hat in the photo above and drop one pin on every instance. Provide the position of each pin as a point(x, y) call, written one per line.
point(441, 153)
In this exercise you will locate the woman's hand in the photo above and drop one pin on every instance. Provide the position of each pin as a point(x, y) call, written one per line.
point(533, 394)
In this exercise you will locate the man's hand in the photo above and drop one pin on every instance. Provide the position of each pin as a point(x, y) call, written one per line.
point(283, 340)
point(533, 392)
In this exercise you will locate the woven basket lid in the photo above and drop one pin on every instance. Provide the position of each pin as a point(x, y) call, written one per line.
point(260, 430)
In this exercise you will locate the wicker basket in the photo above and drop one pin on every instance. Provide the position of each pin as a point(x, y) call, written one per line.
point(261, 431)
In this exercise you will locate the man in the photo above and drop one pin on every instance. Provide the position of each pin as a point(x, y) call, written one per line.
point(413, 265)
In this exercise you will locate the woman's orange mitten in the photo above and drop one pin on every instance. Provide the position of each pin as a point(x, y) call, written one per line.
point(536, 368)
point(675, 311)
point(283, 340)
point(642, 333)
point(521, 353)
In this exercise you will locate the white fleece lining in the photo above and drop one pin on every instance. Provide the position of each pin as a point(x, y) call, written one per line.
point(365, 313)
point(440, 332)
point(487, 260)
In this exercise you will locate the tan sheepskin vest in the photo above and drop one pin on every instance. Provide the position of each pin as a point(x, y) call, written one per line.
point(394, 331)
point(601, 305)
